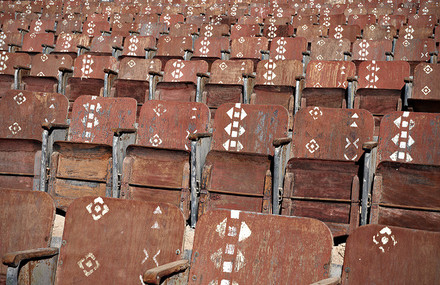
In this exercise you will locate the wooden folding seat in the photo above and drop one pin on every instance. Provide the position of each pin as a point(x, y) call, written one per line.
point(396, 21)
point(182, 81)
point(423, 20)
point(381, 87)
point(231, 247)
point(415, 51)
point(405, 11)
point(239, 31)
point(125, 29)
point(272, 31)
point(260, 11)
point(361, 20)
point(350, 32)
point(406, 183)
point(195, 11)
point(116, 18)
point(328, 84)
point(83, 165)
point(173, 48)
point(299, 20)
point(70, 44)
point(437, 35)
point(149, 9)
point(380, 11)
point(323, 178)
point(91, 74)
point(330, 49)
point(139, 46)
point(413, 32)
point(22, 115)
point(288, 48)
point(33, 43)
point(425, 90)
point(26, 219)
point(162, 147)
point(281, 12)
point(108, 45)
point(332, 20)
point(46, 73)
point(10, 41)
point(249, 20)
point(379, 50)
point(152, 234)
point(229, 83)
point(7, 71)
point(237, 11)
point(13, 25)
point(377, 32)
point(238, 172)
point(183, 30)
point(171, 9)
point(277, 20)
point(252, 48)
point(210, 49)
point(311, 32)
point(211, 30)
point(134, 78)
point(95, 28)
point(355, 11)
point(68, 26)
point(42, 26)
point(153, 29)
point(278, 83)
point(171, 19)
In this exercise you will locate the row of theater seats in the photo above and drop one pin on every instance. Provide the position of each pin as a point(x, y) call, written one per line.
point(245, 159)
point(114, 241)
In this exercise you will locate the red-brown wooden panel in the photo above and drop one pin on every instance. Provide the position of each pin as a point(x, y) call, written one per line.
point(33, 42)
point(177, 70)
point(131, 68)
point(7, 38)
point(423, 20)
point(105, 44)
point(329, 74)
point(101, 232)
point(153, 29)
point(9, 60)
point(47, 65)
point(350, 32)
point(249, 128)
point(272, 31)
point(371, 49)
point(236, 247)
point(382, 248)
point(355, 11)
point(136, 45)
point(173, 46)
point(278, 72)
point(288, 48)
point(26, 219)
point(183, 30)
point(328, 133)
point(210, 30)
point(248, 47)
point(210, 46)
point(300, 20)
point(410, 137)
point(124, 29)
point(13, 25)
point(396, 21)
point(171, 19)
point(230, 71)
point(377, 32)
point(426, 84)
point(40, 26)
point(67, 42)
point(249, 20)
point(94, 119)
point(362, 20)
point(311, 32)
point(88, 66)
point(94, 28)
point(238, 31)
point(332, 20)
point(414, 49)
point(68, 26)
point(415, 32)
point(329, 48)
point(23, 113)
point(383, 74)
point(167, 124)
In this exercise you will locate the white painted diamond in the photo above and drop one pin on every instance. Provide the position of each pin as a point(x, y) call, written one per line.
point(88, 264)
point(312, 146)
point(156, 140)
point(428, 69)
point(20, 98)
point(426, 90)
point(97, 208)
point(14, 128)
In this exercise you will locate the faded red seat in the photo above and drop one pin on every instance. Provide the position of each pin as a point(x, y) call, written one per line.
point(322, 178)
point(310, 32)
point(7, 72)
point(153, 29)
point(211, 30)
point(82, 165)
point(384, 247)
point(33, 43)
point(139, 46)
point(272, 31)
point(210, 49)
point(415, 51)
point(173, 48)
point(95, 28)
point(251, 48)
point(71, 44)
point(68, 26)
point(106, 46)
point(239, 31)
point(288, 48)
point(330, 49)
point(42, 26)
point(414, 32)
point(22, 115)
point(406, 184)
point(425, 95)
point(171, 19)
point(9, 40)
point(183, 30)
point(377, 32)
point(349, 32)
point(162, 146)
point(362, 20)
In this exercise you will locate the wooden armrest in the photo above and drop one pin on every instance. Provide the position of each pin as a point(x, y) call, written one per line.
point(264, 51)
point(117, 47)
point(51, 126)
point(328, 281)
point(300, 77)
point(281, 141)
point(65, 69)
point(306, 53)
point(22, 67)
point(408, 80)
point(110, 71)
point(83, 47)
point(150, 49)
point(160, 73)
point(352, 78)
point(369, 145)
point(248, 75)
point(347, 53)
point(120, 131)
point(202, 74)
point(154, 275)
point(197, 136)
point(13, 259)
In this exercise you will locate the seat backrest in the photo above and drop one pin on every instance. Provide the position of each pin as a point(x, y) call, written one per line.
point(272, 30)
point(426, 86)
point(97, 243)
point(414, 49)
point(23, 113)
point(68, 26)
point(288, 48)
point(350, 32)
point(173, 46)
point(48, 64)
point(383, 74)
point(248, 47)
point(230, 71)
point(183, 30)
point(135, 45)
point(278, 72)
point(210, 30)
point(167, 124)
point(382, 247)
point(249, 128)
point(9, 60)
point(91, 66)
point(423, 20)
point(329, 74)
point(153, 29)
point(40, 26)
point(94, 119)
point(105, 44)
point(329, 48)
point(377, 32)
point(238, 31)
point(415, 32)
point(330, 133)
point(210, 46)
point(9, 38)
point(177, 70)
point(33, 42)
point(138, 68)
point(67, 42)
point(371, 50)
point(332, 20)
point(171, 19)
point(26, 219)
point(94, 28)
point(233, 246)
point(362, 20)
point(310, 32)
point(410, 137)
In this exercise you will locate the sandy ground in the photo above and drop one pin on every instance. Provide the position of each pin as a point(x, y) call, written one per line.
point(338, 254)
point(58, 226)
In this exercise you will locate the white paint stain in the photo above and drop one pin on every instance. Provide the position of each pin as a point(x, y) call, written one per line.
point(245, 232)
point(221, 228)
point(155, 256)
